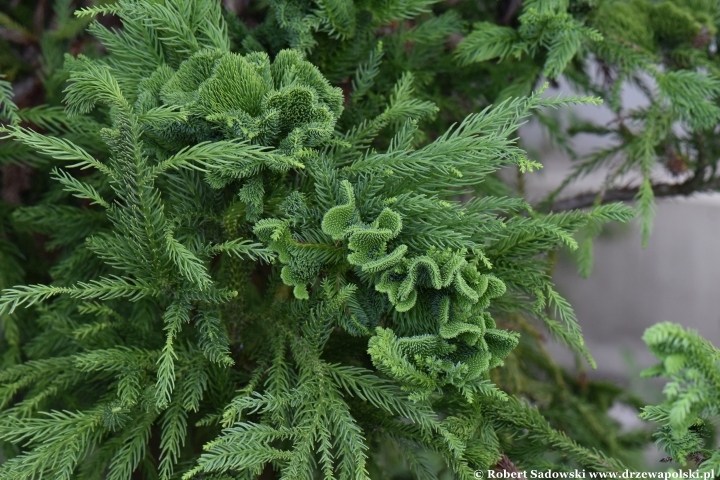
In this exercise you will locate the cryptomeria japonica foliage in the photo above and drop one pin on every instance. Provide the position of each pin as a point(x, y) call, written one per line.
point(281, 249)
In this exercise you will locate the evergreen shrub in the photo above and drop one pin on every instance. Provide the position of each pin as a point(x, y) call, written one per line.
point(272, 241)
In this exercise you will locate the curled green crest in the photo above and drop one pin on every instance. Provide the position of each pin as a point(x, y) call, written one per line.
point(462, 343)
point(286, 103)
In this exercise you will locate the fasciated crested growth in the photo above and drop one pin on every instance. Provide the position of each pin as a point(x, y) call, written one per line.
point(278, 262)
point(285, 103)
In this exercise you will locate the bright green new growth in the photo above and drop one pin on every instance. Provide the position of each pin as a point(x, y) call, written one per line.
point(225, 95)
point(687, 431)
point(221, 180)
point(462, 342)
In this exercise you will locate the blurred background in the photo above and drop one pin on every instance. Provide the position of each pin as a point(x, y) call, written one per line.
point(676, 278)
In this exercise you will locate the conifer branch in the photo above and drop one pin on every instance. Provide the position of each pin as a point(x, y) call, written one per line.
point(246, 245)
point(628, 194)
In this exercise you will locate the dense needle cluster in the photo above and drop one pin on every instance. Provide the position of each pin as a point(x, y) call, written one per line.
point(284, 251)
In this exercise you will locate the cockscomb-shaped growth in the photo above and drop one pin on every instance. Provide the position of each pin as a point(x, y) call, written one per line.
point(300, 266)
point(368, 243)
point(424, 364)
point(286, 103)
point(402, 276)
point(226, 177)
point(462, 343)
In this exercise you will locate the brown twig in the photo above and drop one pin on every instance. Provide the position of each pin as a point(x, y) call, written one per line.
point(585, 200)
point(506, 465)
point(507, 11)
point(15, 182)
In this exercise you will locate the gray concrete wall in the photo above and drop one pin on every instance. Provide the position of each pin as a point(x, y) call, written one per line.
point(676, 278)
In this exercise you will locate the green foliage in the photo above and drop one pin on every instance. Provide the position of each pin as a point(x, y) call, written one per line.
point(225, 95)
point(664, 50)
point(687, 432)
point(545, 26)
point(276, 244)
point(8, 109)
